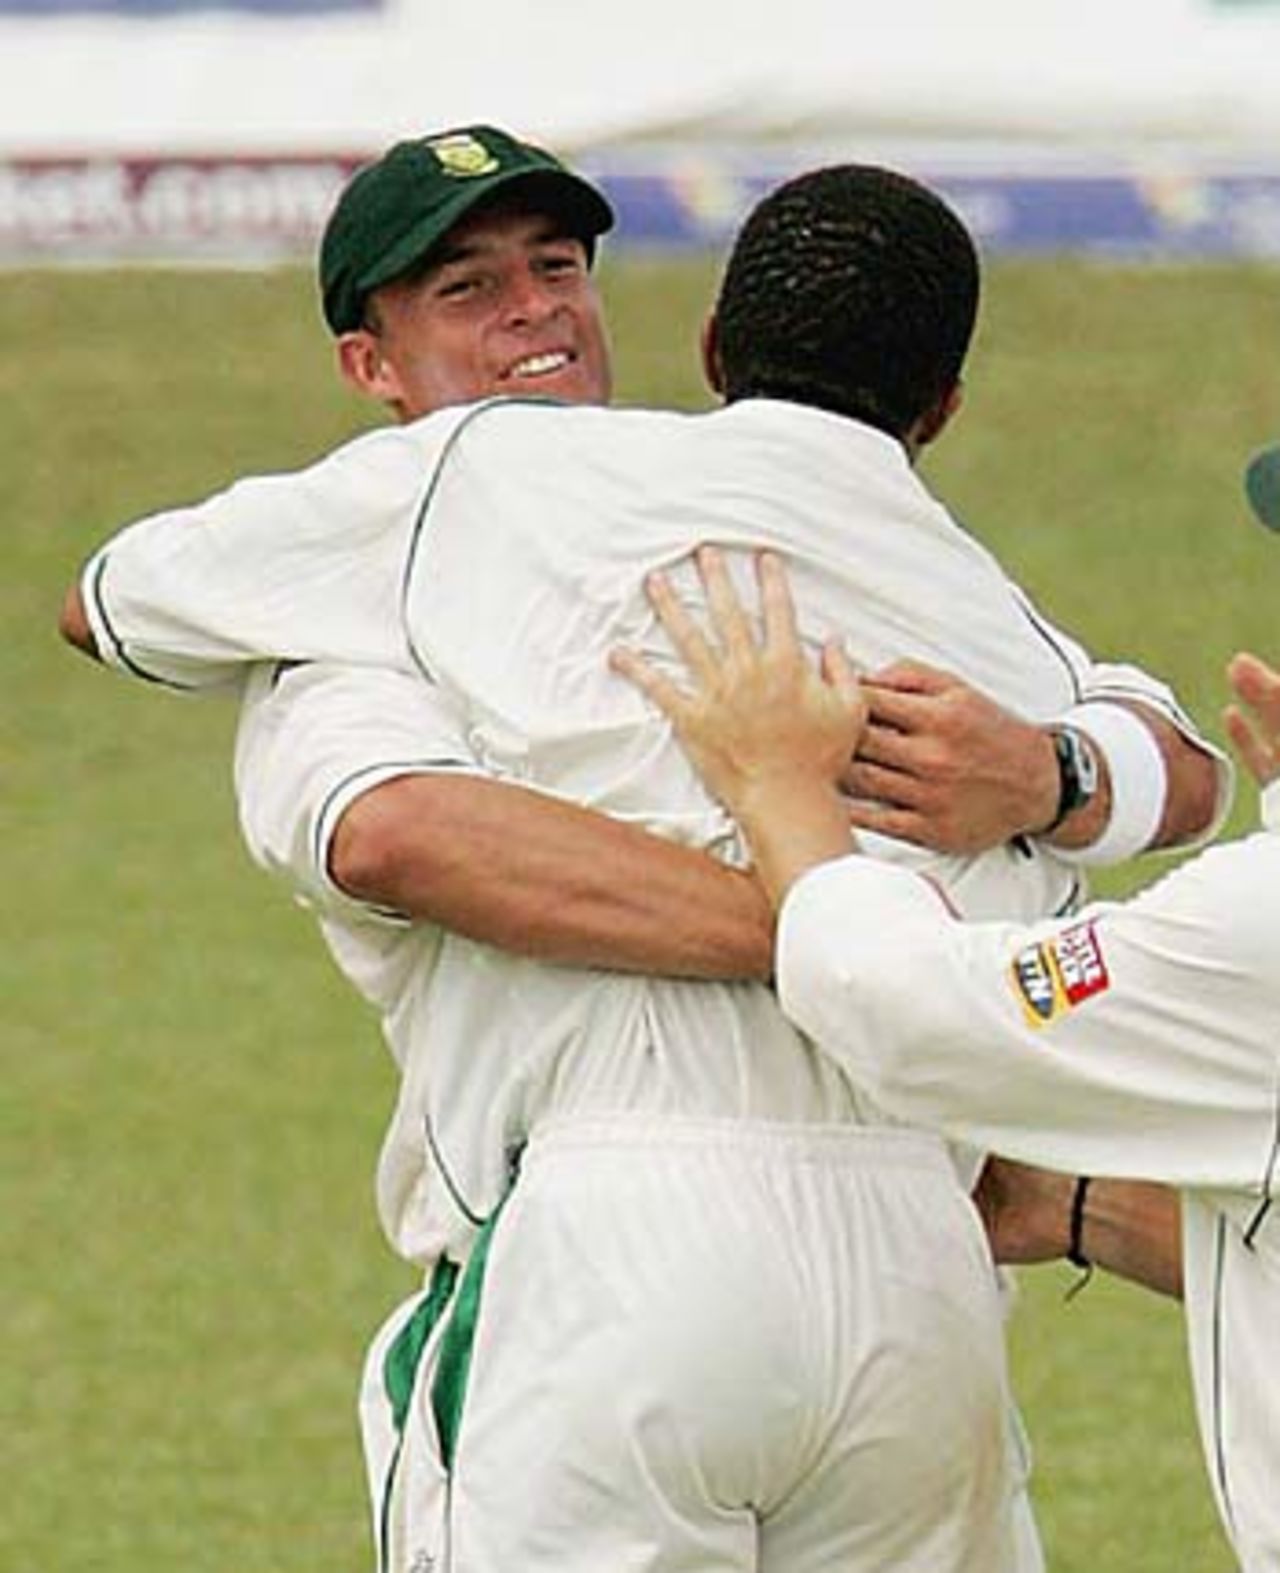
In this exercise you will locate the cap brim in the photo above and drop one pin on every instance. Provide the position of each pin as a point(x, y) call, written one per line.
point(585, 211)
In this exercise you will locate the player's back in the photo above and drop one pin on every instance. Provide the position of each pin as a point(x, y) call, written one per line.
point(529, 557)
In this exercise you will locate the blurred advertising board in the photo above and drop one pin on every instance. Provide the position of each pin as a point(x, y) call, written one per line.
point(246, 208)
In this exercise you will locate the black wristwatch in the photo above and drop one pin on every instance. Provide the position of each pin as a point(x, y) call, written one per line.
point(1077, 773)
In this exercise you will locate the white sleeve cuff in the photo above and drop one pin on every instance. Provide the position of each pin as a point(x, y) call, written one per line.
point(1139, 782)
point(341, 798)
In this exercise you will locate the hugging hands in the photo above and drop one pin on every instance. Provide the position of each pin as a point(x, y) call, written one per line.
point(770, 732)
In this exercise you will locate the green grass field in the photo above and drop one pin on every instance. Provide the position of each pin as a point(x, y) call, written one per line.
point(193, 1101)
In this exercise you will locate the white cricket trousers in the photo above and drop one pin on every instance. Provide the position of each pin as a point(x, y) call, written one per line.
point(704, 1346)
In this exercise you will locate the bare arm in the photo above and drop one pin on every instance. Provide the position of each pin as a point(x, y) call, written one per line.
point(1129, 1227)
point(73, 622)
point(544, 878)
point(536, 876)
point(942, 765)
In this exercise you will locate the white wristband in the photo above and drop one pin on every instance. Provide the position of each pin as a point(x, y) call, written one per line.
point(1139, 782)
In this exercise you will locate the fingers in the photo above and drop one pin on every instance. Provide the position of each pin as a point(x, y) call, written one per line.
point(912, 697)
point(684, 633)
point(728, 620)
point(882, 819)
point(912, 677)
point(1256, 749)
point(891, 747)
point(902, 710)
point(1246, 670)
point(1257, 685)
point(703, 660)
point(840, 671)
point(731, 646)
point(889, 787)
point(777, 609)
point(1253, 725)
point(670, 699)
point(841, 675)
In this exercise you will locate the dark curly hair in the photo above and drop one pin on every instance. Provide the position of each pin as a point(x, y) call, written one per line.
point(851, 288)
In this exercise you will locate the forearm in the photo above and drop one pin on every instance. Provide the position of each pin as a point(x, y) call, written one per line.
point(940, 764)
point(543, 878)
point(791, 826)
point(1134, 1229)
point(1131, 1228)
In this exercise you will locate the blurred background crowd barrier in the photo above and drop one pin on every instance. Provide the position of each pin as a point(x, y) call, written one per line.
point(679, 197)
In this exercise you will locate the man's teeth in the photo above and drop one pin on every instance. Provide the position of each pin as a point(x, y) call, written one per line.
point(540, 365)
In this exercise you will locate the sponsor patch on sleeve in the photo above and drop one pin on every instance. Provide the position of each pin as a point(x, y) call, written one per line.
point(1059, 973)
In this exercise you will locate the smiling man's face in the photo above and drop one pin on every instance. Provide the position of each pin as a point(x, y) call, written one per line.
point(504, 305)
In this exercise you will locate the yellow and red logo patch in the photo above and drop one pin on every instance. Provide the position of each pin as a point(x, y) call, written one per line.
point(1059, 973)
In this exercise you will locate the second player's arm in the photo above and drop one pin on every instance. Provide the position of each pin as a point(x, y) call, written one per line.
point(544, 878)
point(354, 783)
point(520, 870)
point(943, 765)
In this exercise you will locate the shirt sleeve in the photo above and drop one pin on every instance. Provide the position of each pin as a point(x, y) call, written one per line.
point(1109, 682)
point(1134, 1040)
point(300, 566)
point(314, 738)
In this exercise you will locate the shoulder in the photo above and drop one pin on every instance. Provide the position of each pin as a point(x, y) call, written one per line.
point(538, 422)
point(315, 736)
point(359, 706)
point(407, 447)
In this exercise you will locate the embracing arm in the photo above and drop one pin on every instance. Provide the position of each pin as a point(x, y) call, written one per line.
point(510, 867)
point(355, 785)
point(545, 878)
point(942, 765)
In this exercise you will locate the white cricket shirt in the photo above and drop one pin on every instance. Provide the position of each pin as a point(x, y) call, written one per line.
point(1139, 1040)
point(500, 550)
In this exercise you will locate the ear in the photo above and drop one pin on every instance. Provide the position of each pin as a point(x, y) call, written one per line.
point(937, 417)
point(365, 368)
point(712, 367)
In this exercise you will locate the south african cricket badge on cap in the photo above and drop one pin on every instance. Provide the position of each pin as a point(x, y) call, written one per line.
point(1057, 974)
point(462, 155)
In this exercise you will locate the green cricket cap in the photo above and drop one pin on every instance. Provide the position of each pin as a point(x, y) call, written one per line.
point(394, 210)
